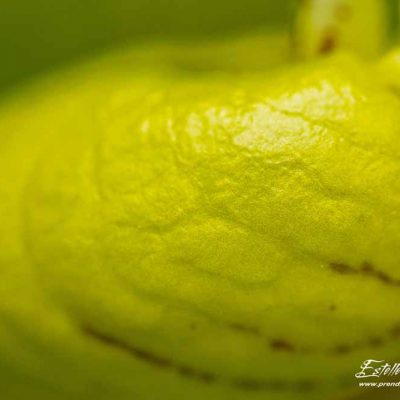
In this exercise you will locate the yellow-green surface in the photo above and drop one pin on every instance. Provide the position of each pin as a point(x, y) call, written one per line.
point(175, 232)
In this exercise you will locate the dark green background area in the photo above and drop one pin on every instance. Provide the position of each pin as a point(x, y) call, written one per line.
point(38, 34)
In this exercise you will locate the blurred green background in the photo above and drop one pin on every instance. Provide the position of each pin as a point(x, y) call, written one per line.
point(38, 34)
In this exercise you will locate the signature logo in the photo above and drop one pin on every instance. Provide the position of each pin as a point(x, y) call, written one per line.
point(377, 368)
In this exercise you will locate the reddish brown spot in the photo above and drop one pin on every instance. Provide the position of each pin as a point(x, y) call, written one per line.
point(150, 358)
point(366, 269)
point(237, 326)
point(342, 349)
point(342, 268)
point(192, 373)
point(281, 345)
point(370, 270)
point(328, 43)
